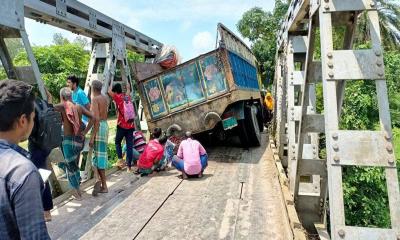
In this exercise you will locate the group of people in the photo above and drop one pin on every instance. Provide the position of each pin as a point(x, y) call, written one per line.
point(24, 195)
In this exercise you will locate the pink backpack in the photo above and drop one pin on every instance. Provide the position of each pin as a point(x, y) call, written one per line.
point(129, 110)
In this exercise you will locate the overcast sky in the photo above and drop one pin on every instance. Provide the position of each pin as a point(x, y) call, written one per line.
point(189, 25)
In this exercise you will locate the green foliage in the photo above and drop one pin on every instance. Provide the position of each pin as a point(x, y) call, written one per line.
point(134, 57)
point(392, 73)
point(360, 109)
point(389, 19)
point(365, 197)
point(3, 74)
point(112, 155)
point(261, 28)
point(56, 62)
point(14, 46)
point(396, 143)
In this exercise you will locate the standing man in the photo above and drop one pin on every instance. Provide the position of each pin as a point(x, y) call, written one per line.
point(21, 210)
point(191, 158)
point(79, 97)
point(72, 143)
point(99, 137)
point(124, 129)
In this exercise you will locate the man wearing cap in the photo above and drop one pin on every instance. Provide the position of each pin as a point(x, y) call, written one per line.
point(191, 158)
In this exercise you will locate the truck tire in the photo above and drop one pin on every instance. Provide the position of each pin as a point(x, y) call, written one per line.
point(252, 127)
point(242, 133)
point(260, 118)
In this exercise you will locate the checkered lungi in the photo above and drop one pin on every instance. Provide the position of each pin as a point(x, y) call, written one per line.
point(100, 157)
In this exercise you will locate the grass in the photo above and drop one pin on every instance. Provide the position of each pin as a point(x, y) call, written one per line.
point(396, 143)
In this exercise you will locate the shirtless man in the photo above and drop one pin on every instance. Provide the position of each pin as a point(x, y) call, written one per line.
point(73, 140)
point(99, 136)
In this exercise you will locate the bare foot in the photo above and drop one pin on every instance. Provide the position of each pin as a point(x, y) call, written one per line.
point(120, 164)
point(96, 188)
point(77, 195)
point(47, 216)
point(103, 190)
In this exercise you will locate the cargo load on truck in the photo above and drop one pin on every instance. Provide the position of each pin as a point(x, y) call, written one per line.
point(216, 91)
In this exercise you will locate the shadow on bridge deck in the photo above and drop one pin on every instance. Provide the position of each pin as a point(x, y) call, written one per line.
point(238, 198)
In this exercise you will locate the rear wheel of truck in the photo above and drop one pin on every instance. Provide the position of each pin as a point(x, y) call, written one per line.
point(242, 133)
point(260, 117)
point(251, 125)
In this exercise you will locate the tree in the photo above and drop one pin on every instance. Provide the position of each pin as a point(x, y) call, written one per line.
point(389, 19)
point(81, 41)
point(261, 28)
point(56, 62)
point(59, 39)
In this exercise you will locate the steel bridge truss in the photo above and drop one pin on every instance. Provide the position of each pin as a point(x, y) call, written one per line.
point(110, 38)
point(110, 41)
point(316, 184)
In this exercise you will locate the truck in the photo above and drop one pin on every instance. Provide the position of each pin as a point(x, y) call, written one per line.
point(216, 93)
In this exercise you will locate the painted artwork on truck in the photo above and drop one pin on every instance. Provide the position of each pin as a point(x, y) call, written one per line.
point(154, 97)
point(193, 86)
point(174, 89)
point(214, 75)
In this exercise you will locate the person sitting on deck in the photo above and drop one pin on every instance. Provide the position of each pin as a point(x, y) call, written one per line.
point(191, 158)
point(152, 155)
point(99, 137)
point(73, 139)
point(139, 144)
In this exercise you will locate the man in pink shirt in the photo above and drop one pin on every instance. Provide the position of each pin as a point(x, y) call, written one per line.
point(191, 158)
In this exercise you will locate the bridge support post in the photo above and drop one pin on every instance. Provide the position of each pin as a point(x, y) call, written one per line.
point(359, 148)
point(343, 147)
point(280, 110)
point(108, 64)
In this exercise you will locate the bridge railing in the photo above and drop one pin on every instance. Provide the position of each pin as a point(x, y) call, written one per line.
point(316, 184)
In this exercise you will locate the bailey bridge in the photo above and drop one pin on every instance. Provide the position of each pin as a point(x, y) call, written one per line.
point(281, 190)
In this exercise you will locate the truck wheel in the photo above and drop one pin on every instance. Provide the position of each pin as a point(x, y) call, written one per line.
point(242, 133)
point(252, 127)
point(260, 118)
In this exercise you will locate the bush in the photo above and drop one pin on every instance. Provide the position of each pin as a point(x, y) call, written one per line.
point(56, 62)
point(112, 155)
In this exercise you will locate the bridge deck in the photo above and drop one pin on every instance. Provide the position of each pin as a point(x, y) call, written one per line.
point(238, 198)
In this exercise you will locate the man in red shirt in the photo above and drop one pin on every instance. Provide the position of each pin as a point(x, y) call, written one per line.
point(124, 129)
point(151, 156)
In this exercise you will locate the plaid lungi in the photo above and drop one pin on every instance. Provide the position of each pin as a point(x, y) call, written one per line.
point(100, 157)
point(72, 146)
